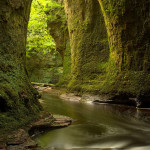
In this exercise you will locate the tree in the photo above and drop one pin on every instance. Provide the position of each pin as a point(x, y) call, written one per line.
point(39, 41)
point(42, 56)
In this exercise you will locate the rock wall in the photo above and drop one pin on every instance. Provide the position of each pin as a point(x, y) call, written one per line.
point(18, 99)
point(122, 70)
point(57, 26)
point(58, 29)
point(89, 44)
point(127, 24)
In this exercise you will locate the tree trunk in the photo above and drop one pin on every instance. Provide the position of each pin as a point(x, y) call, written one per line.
point(18, 99)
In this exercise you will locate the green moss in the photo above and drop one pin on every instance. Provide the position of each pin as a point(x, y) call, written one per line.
point(45, 68)
point(18, 99)
point(19, 102)
point(64, 80)
point(57, 25)
point(131, 83)
point(123, 68)
point(126, 72)
point(89, 45)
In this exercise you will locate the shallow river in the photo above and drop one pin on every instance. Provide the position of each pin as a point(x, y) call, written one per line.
point(97, 126)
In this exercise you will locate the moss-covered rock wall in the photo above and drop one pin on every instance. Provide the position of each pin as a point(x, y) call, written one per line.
point(127, 24)
point(57, 26)
point(89, 44)
point(58, 29)
point(18, 99)
point(123, 69)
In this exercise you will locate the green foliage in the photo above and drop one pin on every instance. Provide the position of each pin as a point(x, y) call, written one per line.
point(43, 61)
point(56, 14)
point(38, 38)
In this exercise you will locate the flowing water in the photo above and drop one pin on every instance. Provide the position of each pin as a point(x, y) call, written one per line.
point(97, 126)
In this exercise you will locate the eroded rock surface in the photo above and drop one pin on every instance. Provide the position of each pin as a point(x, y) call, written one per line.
point(21, 139)
point(50, 122)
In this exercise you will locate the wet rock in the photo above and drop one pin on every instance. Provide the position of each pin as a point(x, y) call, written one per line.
point(42, 124)
point(31, 145)
point(49, 122)
point(2, 146)
point(27, 145)
point(91, 98)
point(19, 140)
point(17, 137)
point(41, 101)
point(70, 97)
point(41, 88)
point(61, 121)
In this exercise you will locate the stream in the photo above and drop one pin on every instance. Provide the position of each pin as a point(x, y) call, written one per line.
point(96, 126)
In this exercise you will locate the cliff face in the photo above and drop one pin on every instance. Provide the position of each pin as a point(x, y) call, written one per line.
point(123, 69)
point(110, 52)
point(18, 99)
point(57, 26)
point(127, 24)
point(88, 41)
point(58, 29)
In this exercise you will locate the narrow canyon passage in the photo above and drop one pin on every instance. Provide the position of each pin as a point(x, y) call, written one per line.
point(95, 47)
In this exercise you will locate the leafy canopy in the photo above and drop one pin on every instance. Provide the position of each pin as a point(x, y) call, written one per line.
point(39, 39)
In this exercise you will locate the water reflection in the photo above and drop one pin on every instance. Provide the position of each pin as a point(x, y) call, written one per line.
point(97, 126)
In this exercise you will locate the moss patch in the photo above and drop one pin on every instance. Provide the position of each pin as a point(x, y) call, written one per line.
point(88, 41)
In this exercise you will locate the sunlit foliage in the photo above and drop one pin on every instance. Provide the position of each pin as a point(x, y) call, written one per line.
point(38, 39)
point(44, 63)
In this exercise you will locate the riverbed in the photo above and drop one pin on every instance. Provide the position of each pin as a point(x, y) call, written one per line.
point(96, 126)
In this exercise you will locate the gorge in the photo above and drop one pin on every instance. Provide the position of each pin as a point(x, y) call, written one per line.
point(105, 50)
